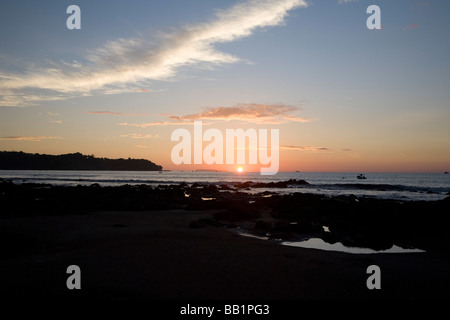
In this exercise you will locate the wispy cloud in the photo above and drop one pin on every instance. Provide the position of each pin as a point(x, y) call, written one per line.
point(150, 124)
point(139, 136)
point(304, 148)
point(128, 64)
point(252, 112)
point(267, 113)
point(109, 113)
point(16, 95)
point(31, 138)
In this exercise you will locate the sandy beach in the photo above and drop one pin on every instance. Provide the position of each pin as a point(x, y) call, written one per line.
point(156, 255)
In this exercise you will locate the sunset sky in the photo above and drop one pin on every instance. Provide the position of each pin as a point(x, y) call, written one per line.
point(344, 98)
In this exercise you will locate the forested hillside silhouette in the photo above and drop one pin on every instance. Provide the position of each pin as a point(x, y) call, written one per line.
point(12, 160)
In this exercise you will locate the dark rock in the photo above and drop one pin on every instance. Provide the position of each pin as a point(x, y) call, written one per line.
point(301, 182)
point(330, 238)
point(306, 226)
point(374, 242)
point(210, 188)
point(279, 184)
point(262, 226)
point(244, 185)
point(237, 210)
point(283, 226)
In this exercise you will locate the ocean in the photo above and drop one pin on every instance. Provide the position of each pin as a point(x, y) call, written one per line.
point(399, 186)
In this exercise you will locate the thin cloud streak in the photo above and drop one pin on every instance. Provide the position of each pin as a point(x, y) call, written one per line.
point(151, 124)
point(304, 148)
point(126, 64)
point(139, 136)
point(30, 138)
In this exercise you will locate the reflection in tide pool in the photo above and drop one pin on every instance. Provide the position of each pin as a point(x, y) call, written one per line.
point(317, 243)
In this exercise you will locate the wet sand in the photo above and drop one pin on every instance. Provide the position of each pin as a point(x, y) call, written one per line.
point(155, 255)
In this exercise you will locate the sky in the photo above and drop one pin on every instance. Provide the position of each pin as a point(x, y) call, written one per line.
point(343, 97)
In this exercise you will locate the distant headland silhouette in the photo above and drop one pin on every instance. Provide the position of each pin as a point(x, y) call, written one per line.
point(13, 160)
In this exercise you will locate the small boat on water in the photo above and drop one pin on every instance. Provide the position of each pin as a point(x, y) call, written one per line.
point(361, 176)
point(446, 172)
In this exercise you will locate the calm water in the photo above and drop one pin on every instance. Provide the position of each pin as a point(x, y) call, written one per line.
point(317, 243)
point(403, 186)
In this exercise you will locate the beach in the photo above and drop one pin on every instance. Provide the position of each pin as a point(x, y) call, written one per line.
point(155, 255)
point(192, 253)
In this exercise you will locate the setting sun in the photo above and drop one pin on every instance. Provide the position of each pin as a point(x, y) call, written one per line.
point(240, 169)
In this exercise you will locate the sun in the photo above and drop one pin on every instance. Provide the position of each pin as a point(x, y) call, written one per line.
point(239, 169)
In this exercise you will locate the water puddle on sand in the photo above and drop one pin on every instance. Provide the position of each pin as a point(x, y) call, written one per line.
point(317, 243)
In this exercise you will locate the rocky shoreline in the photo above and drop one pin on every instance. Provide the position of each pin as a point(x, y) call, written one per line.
point(354, 221)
